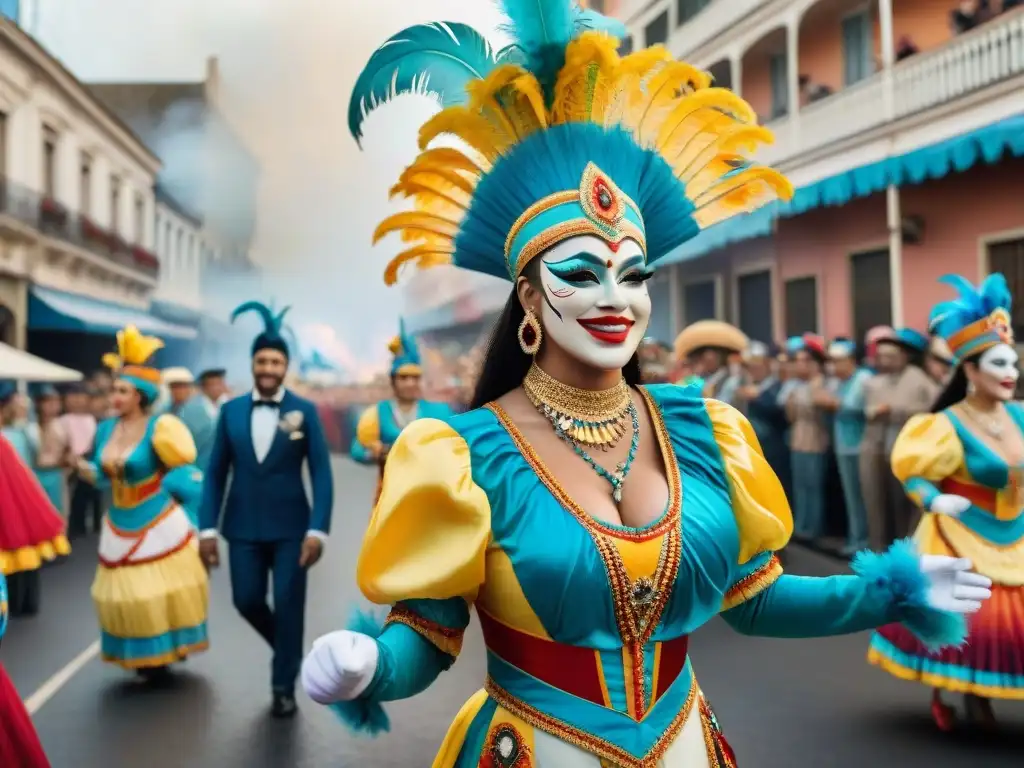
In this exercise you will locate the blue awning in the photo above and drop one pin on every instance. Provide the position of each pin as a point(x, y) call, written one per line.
point(961, 153)
point(51, 310)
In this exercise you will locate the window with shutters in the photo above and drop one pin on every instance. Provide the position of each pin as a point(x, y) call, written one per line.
point(779, 78)
point(871, 291)
point(858, 44)
point(1007, 256)
point(687, 9)
point(801, 306)
point(656, 33)
point(754, 305)
point(700, 301)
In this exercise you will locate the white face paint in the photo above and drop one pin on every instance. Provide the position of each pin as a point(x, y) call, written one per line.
point(999, 366)
point(596, 306)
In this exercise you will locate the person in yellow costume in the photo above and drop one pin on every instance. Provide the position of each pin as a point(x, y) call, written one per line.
point(593, 523)
point(151, 589)
point(963, 464)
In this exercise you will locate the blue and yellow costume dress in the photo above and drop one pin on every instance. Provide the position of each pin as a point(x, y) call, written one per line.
point(939, 453)
point(586, 623)
point(151, 590)
point(379, 425)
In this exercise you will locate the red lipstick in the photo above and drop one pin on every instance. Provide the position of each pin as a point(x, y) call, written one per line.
point(610, 330)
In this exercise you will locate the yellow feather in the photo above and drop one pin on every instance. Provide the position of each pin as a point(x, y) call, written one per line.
point(734, 188)
point(431, 197)
point(112, 361)
point(584, 86)
point(471, 127)
point(528, 87)
point(134, 348)
point(416, 221)
point(666, 84)
point(717, 99)
point(449, 157)
point(395, 346)
point(427, 173)
point(496, 98)
point(423, 255)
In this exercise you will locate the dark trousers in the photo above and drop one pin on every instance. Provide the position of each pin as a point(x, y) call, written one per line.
point(86, 503)
point(809, 494)
point(24, 593)
point(251, 564)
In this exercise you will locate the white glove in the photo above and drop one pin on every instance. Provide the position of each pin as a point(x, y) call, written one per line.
point(340, 667)
point(952, 586)
point(949, 504)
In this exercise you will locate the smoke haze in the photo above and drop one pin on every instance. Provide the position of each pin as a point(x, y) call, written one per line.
point(287, 69)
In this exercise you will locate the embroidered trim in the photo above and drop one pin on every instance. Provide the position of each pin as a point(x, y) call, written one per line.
point(720, 754)
point(445, 639)
point(638, 605)
point(589, 742)
point(505, 748)
point(1001, 563)
point(753, 584)
point(572, 228)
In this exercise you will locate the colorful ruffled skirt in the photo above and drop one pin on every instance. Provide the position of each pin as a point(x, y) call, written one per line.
point(991, 663)
point(19, 744)
point(151, 593)
point(31, 531)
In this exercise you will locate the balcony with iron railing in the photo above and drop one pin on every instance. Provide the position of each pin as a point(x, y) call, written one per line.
point(964, 66)
point(31, 212)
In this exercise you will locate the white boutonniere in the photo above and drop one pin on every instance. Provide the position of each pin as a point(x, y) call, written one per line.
point(291, 422)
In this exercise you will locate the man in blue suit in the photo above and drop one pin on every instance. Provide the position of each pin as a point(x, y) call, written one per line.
point(262, 440)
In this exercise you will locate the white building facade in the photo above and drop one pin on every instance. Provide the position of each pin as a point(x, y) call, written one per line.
point(77, 214)
point(179, 246)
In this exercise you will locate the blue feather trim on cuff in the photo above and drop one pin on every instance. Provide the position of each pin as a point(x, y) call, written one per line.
point(364, 717)
point(897, 573)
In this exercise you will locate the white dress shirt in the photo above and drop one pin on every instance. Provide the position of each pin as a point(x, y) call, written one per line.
point(264, 425)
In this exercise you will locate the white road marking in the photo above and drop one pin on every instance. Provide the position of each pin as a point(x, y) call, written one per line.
point(50, 688)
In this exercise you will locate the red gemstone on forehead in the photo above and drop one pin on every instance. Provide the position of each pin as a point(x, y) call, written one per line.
point(614, 247)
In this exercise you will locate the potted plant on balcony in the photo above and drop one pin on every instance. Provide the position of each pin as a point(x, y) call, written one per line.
point(52, 214)
point(145, 260)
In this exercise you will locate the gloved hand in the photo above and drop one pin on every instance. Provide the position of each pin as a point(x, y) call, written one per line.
point(340, 667)
point(952, 586)
point(949, 504)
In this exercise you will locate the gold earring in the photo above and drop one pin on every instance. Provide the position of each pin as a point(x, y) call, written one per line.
point(530, 334)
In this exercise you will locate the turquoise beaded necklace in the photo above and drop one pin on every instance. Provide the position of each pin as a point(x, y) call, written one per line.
point(618, 476)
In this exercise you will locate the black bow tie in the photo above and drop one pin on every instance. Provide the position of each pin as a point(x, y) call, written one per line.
point(266, 404)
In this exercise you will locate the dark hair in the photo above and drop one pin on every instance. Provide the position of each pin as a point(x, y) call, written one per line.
point(505, 364)
point(956, 389)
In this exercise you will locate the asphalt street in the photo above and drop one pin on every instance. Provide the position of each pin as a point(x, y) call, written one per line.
point(782, 703)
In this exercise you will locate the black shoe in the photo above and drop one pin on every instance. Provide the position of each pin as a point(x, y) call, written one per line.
point(284, 706)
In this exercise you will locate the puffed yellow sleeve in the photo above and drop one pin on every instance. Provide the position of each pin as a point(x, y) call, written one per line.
point(759, 501)
point(173, 442)
point(368, 428)
point(927, 451)
point(429, 532)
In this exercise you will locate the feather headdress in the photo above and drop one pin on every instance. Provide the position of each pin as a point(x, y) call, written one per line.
point(979, 318)
point(405, 353)
point(562, 137)
point(271, 336)
point(130, 361)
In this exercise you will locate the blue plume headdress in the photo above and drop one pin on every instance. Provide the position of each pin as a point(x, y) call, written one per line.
point(979, 318)
point(406, 355)
point(271, 337)
point(563, 138)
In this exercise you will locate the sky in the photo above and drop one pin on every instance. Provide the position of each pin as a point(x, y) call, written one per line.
point(287, 67)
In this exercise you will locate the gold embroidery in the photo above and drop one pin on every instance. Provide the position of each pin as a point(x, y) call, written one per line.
point(753, 584)
point(506, 748)
point(556, 234)
point(444, 638)
point(1004, 564)
point(603, 749)
point(638, 605)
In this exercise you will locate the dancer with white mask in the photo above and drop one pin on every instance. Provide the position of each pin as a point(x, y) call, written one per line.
point(963, 464)
point(555, 506)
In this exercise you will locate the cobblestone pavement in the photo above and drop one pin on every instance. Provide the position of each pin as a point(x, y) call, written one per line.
point(783, 703)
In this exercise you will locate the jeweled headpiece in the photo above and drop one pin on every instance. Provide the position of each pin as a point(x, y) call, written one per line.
point(406, 356)
point(129, 363)
point(272, 335)
point(979, 318)
point(563, 138)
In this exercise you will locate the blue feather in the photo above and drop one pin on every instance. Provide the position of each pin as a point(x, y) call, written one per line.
point(436, 59)
point(594, 22)
point(271, 322)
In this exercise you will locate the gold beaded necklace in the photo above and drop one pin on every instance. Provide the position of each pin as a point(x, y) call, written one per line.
point(588, 417)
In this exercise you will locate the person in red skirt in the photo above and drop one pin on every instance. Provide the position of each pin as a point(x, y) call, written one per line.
point(19, 744)
point(31, 531)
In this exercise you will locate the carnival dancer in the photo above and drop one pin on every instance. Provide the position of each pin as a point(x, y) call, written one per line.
point(964, 465)
point(31, 531)
point(19, 743)
point(380, 424)
point(263, 439)
point(557, 508)
point(150, 590)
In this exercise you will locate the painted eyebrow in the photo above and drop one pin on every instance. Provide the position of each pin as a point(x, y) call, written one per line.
point(633, 261)
point(589, 258)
